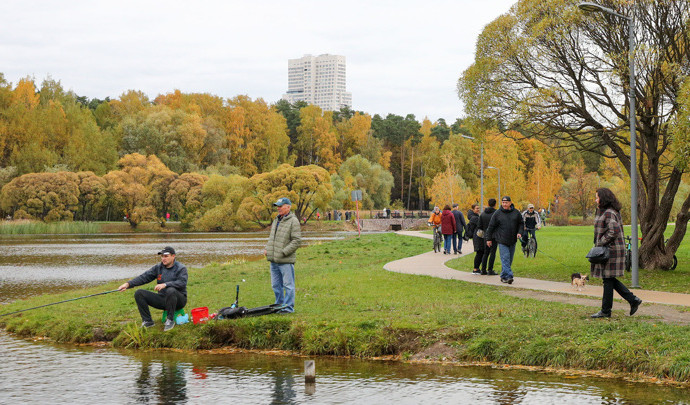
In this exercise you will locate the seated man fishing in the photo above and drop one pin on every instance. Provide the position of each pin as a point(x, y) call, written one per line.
point(171, 285)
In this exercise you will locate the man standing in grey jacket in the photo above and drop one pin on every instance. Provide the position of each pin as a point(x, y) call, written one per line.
point(283, 241)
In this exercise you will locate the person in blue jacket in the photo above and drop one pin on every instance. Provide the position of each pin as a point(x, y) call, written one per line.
point(171, 288)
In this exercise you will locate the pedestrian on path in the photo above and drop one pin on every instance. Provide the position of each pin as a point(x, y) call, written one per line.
point(489, 255)
point(460, 229)
point(477, 240)
point(448, 228)
point(506, 227)
point(608, 231)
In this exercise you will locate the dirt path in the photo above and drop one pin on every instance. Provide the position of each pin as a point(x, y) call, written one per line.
point(657, 305)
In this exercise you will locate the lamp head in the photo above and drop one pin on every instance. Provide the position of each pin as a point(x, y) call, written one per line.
point(590, 7)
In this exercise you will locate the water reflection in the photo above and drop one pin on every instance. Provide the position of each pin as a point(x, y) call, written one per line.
point(31, 264)
point(42, 373)
point(164, 382)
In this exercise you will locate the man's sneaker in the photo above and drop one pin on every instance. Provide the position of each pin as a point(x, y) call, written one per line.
point(492, 273)
point(169, 324)
point(147, 324)
point(476, 272)
point(510, 281)
point(484, 273)
point(504, 280)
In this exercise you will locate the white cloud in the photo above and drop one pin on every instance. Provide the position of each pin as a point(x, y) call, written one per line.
point(403, 56)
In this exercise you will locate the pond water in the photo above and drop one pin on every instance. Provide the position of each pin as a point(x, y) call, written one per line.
point(40, 373)
point(46, 373)
point(34, 264)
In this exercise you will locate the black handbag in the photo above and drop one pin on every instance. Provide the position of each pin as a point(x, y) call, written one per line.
point(598, 255)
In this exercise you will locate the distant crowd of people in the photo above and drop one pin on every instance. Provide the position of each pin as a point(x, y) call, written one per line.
point(489, 230)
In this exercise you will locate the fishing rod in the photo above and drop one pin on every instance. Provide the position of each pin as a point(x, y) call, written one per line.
point(55, 303)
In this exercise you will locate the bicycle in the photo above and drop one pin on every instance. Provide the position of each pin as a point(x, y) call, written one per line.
point(438, 238)
point(628, 255)
point(530, 249)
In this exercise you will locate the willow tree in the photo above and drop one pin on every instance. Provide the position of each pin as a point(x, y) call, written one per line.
point(558, 74)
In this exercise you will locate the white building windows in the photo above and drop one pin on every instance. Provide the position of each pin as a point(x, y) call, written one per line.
point(321, 78)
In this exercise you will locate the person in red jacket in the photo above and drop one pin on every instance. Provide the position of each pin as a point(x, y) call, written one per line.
point(448, 228)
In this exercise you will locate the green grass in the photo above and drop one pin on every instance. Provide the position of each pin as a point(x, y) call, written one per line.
point(348, 305)
point(562, 252)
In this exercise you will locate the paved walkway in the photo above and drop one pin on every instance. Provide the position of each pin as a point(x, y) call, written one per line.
point(433, 264)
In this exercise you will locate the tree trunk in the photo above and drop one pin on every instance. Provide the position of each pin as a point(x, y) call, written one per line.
point(655, 252)
point(402, 172)
point(409, 189)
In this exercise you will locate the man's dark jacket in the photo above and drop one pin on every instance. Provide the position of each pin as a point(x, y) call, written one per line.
point(460, 225)
point(175, 276)
point(485, 218)
point(505, 225)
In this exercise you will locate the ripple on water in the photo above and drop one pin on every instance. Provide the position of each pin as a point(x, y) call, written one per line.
point(44, 373)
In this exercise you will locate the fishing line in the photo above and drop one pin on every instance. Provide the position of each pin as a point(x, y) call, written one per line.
point(60, 302)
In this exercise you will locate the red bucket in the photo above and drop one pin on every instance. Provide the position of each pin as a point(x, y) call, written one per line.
point(200, 315)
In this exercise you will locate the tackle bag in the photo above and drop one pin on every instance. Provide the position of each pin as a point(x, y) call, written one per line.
point(231, 313)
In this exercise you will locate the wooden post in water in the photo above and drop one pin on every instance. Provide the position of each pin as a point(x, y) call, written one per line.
point(309, 371)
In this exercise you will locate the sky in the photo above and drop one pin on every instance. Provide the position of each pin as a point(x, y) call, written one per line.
point(403, 57)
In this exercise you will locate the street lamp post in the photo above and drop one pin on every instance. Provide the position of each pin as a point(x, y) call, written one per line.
point(499, 181)
point(593, 7)
point(481, 174)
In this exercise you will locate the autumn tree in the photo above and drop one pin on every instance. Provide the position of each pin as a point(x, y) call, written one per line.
point(448, 187)
point(184, 196)
point(140, 187)
point(221, 197)
point(256, 135)
point(44, 196)
point(92, 192)
point(357, 173)
point(579, 191)
point(555, 73)
point(316, 139)
point(308, 187)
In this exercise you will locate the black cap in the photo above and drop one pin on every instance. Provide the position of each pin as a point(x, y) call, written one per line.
point(506, 198)
point(167, 249)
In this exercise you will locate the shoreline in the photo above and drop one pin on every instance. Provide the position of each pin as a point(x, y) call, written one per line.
point(22, 227)
point(579, 373)
point(388, 317)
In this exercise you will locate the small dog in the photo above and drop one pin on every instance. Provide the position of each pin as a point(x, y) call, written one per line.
point(578, 280)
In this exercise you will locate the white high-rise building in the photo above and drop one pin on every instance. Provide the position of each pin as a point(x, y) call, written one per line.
point(318, 80)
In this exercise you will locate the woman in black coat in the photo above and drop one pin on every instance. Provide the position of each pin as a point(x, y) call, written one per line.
point(608, 231)
point(477, 241)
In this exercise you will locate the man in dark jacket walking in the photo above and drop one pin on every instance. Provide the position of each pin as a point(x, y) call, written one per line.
point(506, 227)
point(489, 255)
point(171, 285)
point(460, 228)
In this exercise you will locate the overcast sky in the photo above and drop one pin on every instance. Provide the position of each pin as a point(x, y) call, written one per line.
point(402, 56)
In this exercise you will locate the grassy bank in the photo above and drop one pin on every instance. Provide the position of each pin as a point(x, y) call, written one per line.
point(348, 305)
point(562, 252)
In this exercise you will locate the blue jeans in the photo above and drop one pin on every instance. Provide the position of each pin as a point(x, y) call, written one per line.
point(507, 253)
point(283, 284)
point(457, 242)
point(446, 242)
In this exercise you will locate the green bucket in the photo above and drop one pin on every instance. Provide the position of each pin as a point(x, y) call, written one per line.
point(177, 313)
